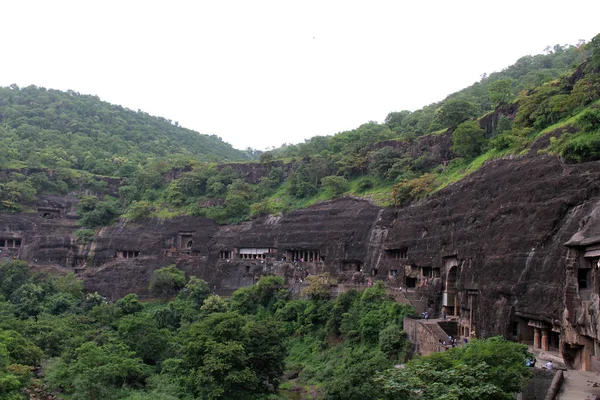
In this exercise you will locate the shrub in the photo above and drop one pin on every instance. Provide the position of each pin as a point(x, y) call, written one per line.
point(336, 184)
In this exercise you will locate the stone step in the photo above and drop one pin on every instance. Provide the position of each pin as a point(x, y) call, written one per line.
point(437, 330)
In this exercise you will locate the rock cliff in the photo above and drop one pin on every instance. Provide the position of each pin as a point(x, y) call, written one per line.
point(505, 251)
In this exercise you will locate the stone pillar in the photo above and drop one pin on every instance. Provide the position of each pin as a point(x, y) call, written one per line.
point(536, 338)
point(560, 346)
point(545, 340)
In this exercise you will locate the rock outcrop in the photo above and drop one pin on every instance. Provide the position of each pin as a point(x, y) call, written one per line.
point(510, 250)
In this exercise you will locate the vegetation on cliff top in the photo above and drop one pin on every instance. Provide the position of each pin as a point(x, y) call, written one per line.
point(201, 346)
point(391, 163)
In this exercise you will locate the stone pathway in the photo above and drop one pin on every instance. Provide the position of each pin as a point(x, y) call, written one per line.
point(580, 385)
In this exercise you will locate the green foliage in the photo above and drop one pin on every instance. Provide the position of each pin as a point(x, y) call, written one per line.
point(142, 334)
point(336, 184)
point(66, 129)
point(468, 139)
point(27, 300)
point(195, 292)
point(264, 295)
point(485, 369)
point(229, 357)
point(20, 349)
point(318, 286)
point(84, 236)
point(501, 91)
point(364, 184)
point(60, 303)
point(167, 281)
point(69, 284)
point(455, 112)
point(13, 274)
point(138, 210)
point(95, 212)
point(584, 145)
point(129, 304)
point(416, 188)
point(9, 382)
point(581, 147)
point(97, 370)
point(338, 340)
point(393, 342)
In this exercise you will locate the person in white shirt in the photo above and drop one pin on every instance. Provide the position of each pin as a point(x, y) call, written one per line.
point(549, 365)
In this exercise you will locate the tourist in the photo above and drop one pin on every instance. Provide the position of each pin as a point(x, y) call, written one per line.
point(549, 365)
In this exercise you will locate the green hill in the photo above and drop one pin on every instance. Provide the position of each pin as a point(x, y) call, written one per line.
point(546, 103)
point(51, 128)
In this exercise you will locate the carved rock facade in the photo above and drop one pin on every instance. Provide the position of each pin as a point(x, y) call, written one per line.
point(511, 250)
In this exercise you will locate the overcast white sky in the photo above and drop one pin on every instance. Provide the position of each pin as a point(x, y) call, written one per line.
point(261, 73)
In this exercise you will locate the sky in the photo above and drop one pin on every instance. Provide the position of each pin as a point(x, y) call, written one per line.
point(263, 73)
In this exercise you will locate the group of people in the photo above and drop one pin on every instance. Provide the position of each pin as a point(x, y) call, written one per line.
point(530, 362)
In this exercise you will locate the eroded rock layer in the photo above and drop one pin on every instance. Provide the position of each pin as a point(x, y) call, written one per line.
point(512, 249)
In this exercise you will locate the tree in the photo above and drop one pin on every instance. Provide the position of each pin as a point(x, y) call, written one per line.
point(455, 111)
point(129, 304)
point(265, 345)
point(490, 369)
point(27, 299)
point(501, 91)
point(138, 210)
point(20, 349)
point(468, 139)
point(141, 333)
point(167, 281)
point(70, 284)
point(196, 291)
point(13, 274)
point(393, 341)
point(98, 371)
point(395, 119)
point(318, 286)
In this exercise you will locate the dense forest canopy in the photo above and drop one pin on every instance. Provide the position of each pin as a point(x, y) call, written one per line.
point(201, 346)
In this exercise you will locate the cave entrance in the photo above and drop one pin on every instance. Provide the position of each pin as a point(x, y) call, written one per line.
point(10, 243)
point(411, 282)
point(450, 298)
point(127, 253)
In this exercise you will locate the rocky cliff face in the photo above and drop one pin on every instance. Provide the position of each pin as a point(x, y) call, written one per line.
point(501, 250)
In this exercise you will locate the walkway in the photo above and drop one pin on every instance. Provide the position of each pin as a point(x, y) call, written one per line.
point(580, 385)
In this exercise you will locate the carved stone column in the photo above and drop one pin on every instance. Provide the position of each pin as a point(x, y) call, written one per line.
point(545, 339)
point(536, 338)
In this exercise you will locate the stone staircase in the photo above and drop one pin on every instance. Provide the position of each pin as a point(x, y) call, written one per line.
point(417, 301)
point(436, 330)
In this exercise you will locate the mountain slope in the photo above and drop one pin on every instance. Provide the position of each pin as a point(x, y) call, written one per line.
point(51, 128)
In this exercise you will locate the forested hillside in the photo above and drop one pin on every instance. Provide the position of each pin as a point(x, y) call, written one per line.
point(52, 142)
point(55, 129)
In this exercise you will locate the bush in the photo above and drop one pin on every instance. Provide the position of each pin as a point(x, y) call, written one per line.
point(336, 184)
point(589, 120)
point(581, 147)
point(84, 236)
point(416, 188)
point(365, 184)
